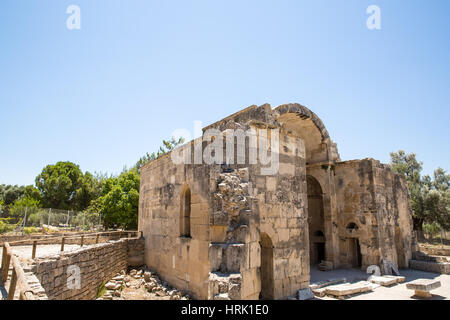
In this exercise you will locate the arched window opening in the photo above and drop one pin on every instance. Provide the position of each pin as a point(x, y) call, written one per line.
point(185, 214)
point(352, 227)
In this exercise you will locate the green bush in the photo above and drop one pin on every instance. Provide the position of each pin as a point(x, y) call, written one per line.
point(6, 227)
point(28, 230)
point(431, 229)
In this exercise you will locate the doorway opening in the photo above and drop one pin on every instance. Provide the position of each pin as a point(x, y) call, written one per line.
point(267, 282)
point(355, 256)
point(316, 222)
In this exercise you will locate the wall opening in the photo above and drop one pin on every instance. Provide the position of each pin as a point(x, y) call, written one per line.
point(354, 253)
point(267, 282)
point(316, 222)
point(185, 213)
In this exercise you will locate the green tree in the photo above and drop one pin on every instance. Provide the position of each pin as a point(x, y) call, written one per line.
point(88, 190)
point(167, 146)
point(33, 193)
point(429, 198)
point(10, 193)
point(120, 200)
point(64, 186)
point(17, 209)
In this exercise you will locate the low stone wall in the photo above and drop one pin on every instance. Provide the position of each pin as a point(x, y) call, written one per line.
point(430, 266)
point(96, 264)
point(435, 251)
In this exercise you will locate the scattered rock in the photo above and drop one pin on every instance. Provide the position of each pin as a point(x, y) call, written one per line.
point(110, 285)
point(119, 278)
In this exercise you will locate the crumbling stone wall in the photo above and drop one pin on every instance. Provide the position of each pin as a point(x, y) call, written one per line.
point(376, 200)
point(96, 263)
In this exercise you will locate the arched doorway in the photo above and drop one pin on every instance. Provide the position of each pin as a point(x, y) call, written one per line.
point(315, 221)
point(267, 283)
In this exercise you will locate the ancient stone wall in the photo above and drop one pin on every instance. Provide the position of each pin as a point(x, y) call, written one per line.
point(282, 204)
point(96, 264)
point(181, 260)
point(374, 211)
point(250, 231)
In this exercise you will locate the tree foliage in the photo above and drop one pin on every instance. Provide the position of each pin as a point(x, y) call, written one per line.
point(167, 146)
point(120, 200)
point(64, 186)
point(10, 193)
point(430, 198)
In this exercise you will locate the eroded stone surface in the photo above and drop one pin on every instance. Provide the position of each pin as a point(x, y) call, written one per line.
point(423, 285)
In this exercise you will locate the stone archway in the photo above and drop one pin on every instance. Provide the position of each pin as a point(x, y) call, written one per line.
point(267, 279)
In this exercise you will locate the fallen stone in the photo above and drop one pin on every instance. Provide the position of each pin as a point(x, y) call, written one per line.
point(160, 293)
point(398, 278)
point(319, 292)
point(422, 287)
point(149, 286)
point(321, 284)
point(383, 281)
point(349, 288)
point(110, 285)
point(305, 294)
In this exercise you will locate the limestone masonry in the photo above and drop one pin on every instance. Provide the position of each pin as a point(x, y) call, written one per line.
point(228, 231)
point(98, 263)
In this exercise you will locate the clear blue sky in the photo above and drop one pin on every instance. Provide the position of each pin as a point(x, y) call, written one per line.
point(104, 95)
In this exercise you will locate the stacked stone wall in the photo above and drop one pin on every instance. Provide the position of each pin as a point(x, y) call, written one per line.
point(96, 264)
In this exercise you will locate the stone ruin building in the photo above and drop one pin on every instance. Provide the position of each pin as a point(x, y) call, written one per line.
point(229, 231)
